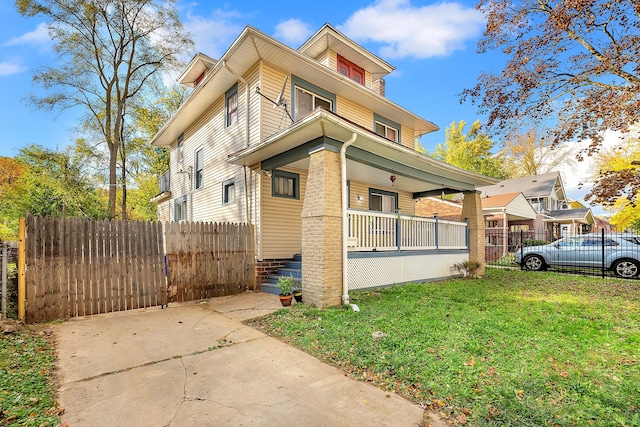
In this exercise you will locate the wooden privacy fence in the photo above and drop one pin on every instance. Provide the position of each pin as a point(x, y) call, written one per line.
point(209, 259)
point(75, 267)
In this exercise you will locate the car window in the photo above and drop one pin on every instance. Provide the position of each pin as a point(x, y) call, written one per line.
point(570, 242)
point(592, 242)
point(609, 242)
point(632, 240)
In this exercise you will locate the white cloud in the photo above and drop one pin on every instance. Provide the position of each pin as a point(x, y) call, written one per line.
point(293, 31)
point(8, 68)
point(213, 34)
point(405, 30)
point(38, 37)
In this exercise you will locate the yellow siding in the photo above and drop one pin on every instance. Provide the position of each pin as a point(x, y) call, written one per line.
point(281, 221)
point(354, 112)
point(408, 139)
point(406, 204)
point(273, 119)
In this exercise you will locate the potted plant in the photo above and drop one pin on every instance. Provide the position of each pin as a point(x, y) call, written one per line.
point(286, 286)
point(297, 290)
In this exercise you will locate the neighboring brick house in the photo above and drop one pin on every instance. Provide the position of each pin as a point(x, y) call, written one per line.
point(303, 144)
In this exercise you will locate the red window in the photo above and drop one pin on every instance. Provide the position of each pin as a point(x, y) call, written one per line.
point(350, 70)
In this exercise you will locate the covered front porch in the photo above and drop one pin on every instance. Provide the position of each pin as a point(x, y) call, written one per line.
point(358, 224)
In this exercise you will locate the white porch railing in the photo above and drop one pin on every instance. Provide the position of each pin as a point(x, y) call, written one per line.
point(377, 231)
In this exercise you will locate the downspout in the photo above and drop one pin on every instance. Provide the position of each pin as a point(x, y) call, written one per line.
point(246, 137)
point(345, 225)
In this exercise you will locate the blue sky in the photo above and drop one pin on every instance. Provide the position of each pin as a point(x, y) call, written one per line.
point(431, 44)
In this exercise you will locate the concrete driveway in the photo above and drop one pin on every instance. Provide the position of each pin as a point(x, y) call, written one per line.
point(199, 365)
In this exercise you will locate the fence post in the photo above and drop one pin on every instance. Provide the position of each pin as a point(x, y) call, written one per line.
point(602, 243)
point(22, 259)
point(521, 250)
point(4, 279)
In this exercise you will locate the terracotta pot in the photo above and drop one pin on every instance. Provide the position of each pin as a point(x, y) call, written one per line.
point(285, 300)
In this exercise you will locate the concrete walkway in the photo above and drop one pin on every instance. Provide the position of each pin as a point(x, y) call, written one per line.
point(198, 365)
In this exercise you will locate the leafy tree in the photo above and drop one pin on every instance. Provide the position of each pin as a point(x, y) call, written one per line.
point(52, 183)
point(528, 155)
point(571, 62)
point(470, 151)
point(110, 50)
point(617, 181)
point(10, 171)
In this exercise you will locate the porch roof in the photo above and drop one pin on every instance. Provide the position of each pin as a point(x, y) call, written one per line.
point(369, 154)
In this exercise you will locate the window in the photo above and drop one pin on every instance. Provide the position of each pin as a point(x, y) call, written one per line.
point(387, 128)
point(519, 227)
point(228, 192)
point(199, 175)
point(491, 223)
point(180, 209)
point(285, 184)
point(383, 201)
point(179, 152)
point(350, 70)
point(232, 105)
point(307, 97)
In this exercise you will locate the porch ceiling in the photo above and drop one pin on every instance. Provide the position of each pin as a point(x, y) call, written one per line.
point(367, 157)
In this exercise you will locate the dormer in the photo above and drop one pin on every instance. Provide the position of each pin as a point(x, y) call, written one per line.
point(196, 70)
point(334, 50)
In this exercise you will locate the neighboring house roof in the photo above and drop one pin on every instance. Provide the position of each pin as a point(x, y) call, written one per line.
point(583, 215)
point(531, 186)
point(515, 205)
point(252, 46)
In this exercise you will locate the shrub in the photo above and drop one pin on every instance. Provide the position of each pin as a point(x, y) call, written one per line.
point(468, 268)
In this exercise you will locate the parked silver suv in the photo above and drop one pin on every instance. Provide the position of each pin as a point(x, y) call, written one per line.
point(621, 253)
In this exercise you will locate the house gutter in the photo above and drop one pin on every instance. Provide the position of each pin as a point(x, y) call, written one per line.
point(246, 137)
point(345, 225)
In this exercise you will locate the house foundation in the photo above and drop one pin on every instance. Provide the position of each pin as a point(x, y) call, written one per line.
point(322, 229)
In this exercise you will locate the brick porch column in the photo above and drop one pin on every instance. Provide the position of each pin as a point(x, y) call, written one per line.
point(472, 211)
point(322, 230)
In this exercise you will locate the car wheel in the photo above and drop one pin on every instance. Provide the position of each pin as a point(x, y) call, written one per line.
point(626, 268)
point(534, 263)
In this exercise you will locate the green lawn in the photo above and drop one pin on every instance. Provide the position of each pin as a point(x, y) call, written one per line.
point(27, 387)
point(513, 348)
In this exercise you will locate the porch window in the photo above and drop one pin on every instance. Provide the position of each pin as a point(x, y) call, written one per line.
point(228, 192)
point(232, 105)
point(387, 128)
point(180, 209)
point(179, 152)
point(350, 70)
point(383, 201)
point(307, 97)
point(285, 184)
point(199, 168)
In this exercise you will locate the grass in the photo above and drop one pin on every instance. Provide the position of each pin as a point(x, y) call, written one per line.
point(513, 348)
point(27, 386)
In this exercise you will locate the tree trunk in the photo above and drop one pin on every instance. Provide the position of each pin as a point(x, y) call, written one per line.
point(113, 157)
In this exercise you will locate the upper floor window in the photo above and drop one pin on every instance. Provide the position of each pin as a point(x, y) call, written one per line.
point(232, 105)
point(387, 128)
point(307, 97)
point(179, 152)
point(285, 184)
point(350, 70)
point(199, 174)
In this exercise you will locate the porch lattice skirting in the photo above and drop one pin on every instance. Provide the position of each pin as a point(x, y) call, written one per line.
point(371, 270)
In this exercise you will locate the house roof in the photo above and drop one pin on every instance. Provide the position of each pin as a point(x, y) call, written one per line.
point(253, 46)
point(328, 37)
point(198, 65)
point(498, 200)
point(531, 186)
point(583, 215)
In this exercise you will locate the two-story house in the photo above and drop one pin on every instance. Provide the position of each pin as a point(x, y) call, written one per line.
point(303, 144)
point(547, 195)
